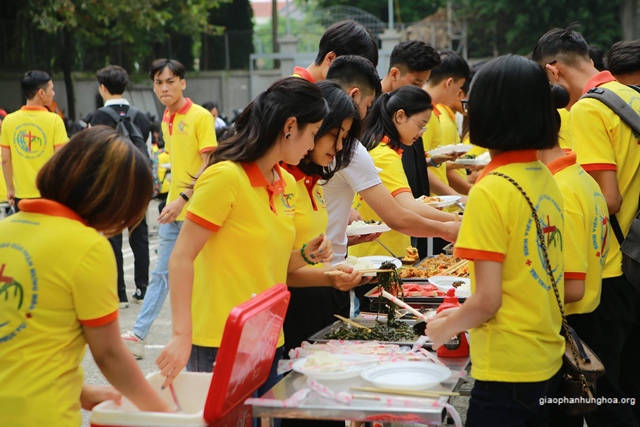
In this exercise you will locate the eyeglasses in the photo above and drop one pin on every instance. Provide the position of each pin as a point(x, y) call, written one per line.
point(465, 105)
point(423, 129)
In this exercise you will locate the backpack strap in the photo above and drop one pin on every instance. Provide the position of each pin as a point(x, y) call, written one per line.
point(132, 113)
point(111, 113)
point(617, 104)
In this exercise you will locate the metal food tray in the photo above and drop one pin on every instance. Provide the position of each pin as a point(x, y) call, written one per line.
point(319, 337)
point(416, 302)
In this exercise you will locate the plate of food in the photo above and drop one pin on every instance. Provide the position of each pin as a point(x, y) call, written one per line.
point(444, 283)
point(412, 256)
point(406, 375)
point(369, 262)
point(357, 228)
point(471, 160)
point(450, 149)
point(438, 201)
point(322, 365)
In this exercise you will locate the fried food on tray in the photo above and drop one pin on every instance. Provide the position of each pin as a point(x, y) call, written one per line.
point(433, 266)
point(412, 254)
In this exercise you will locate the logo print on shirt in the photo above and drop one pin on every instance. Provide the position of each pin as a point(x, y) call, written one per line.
point(17, 299)
point(288, 200)
point(553, 240)
point(30, 140)
point(183, 126)
point(600, 231)
point(319, 198)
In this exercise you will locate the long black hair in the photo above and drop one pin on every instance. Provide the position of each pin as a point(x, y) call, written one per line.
point(379, 121)
point(341, 107)
point(259, 125)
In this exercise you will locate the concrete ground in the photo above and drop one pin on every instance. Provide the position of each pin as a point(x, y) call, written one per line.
point(161, 330)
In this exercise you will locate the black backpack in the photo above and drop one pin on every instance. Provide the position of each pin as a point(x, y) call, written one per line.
point(629, 244)
point(125, 125)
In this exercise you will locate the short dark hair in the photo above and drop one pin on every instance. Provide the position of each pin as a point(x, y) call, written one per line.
point(452, 65)
point(379, 121)
point(413, 56)
point(624, 57)
point(33, 81)
point(565, 43)
point(159, 65)
point(597, 56)
point(86, 176)
point(348, 37)
point(352, 70)
point(210, 105)
point(114, 78)
point(341, 107)
point(510, 106)
point(260, 123)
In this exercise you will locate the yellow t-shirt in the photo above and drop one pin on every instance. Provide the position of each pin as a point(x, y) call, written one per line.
point(311, 217)
point(586, 230)
point(434, 138)
point(32, 134)
point(603, 142)
point(521, 342)
point(163, 159)
point(250, 248)
point(47, 296)
point(564, 138)
point(394, 180)
point(3, 186)
point(188, 134)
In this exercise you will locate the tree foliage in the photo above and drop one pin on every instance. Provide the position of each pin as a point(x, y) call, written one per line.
point(514, 26)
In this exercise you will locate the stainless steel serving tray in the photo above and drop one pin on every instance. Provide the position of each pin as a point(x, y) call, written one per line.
point(320, 336)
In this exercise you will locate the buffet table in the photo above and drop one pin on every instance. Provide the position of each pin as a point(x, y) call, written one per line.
point(321, 408)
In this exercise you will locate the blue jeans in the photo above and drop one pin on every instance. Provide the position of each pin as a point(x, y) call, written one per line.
point(159, 284)
point(503, 404)
point(202, 359)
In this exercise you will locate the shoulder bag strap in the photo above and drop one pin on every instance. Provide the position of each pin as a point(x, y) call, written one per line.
point(569, 337)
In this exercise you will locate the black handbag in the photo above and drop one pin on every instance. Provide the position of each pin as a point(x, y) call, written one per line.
point(580, 365)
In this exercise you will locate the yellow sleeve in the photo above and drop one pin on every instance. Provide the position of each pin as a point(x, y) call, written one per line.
point(432, 138)
point(392, 174)
point(219, 183)
point(59, 132)
point(94, 282)
point(575, 238)
point(205, 133)
point(5, 138)
point(589, 134)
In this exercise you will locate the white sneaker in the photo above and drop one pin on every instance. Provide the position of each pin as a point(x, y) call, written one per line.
point(134, 344)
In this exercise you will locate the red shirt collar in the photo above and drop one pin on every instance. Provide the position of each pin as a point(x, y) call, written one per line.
point(310, 181)
point(49, 207)
point(168, 117)
point(561, 163)
point(386, 141)
point(444, 109)
point(304, 73)
point(599, 79)
point(508, 157)
point(258, 180)
point(33, 108)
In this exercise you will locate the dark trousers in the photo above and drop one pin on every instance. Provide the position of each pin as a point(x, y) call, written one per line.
point(612, 332)
point(504, 404)
point(139, 242)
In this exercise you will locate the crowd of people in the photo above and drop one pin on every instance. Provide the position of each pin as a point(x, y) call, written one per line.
point(331, 144)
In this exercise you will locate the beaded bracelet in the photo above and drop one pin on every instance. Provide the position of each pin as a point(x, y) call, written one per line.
point(304, 245)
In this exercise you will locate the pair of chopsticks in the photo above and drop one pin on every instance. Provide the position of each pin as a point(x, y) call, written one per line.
point(363, 271)
point(453, 268)
point(352, 323)
point(404, 305)
point(407, 392)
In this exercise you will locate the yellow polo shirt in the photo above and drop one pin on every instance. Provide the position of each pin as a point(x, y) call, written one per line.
point(3, 186)
point(311, 217)
point(395, 180)
point(521, 342)
point(586, 230)
point(603, 142)
point(32, 134)
point(564, 135)
point(47, 296)
point(436, 138)
point(249, 251)
point(188, 134)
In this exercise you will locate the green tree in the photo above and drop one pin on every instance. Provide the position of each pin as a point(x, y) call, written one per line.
point(514, 26)
point(123, 30)
point(236, 19)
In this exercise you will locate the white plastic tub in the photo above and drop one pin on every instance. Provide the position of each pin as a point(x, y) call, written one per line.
point(191, 390)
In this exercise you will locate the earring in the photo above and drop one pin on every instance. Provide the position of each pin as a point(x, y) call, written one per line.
point(287, 136)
